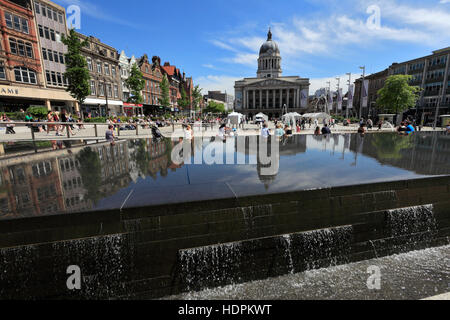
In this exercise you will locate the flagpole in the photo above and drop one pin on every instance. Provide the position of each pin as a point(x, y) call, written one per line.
point(348, 95)
point(362, 91)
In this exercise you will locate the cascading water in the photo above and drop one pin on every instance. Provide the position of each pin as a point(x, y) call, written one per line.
point(250, 213)
point(407, 229)
point(233, 263)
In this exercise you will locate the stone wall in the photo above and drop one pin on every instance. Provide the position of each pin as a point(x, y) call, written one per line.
point(158, 251)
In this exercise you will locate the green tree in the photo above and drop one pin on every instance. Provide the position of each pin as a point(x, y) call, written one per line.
point(397, 95)
point(77, 73)
point(184, 102)
point(165, 98)
point(196, 97)
point(91, 172)
point(214, 107)
point(136, 84)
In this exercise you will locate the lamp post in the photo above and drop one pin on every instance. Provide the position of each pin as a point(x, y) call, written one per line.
point(338, 88)
point(349, 84)
point(106, 96)
point(438, 104)
point(328, 96)
point(362, 91)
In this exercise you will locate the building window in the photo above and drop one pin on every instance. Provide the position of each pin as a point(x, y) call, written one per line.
point(52, 35)
point(116, 91)
point(47, 33)
point(99, 67)
point(2, 73)
point(37, 7)
point(60, 18)
point(17, 23)
point(48, 77)
point(50, 55)
point(109, 88)
point(113, 71)
point(44, 10)
point(41, 31)
point(61, 58)
point(101, 89)
point(107, 69)
point(23, 49)
point(25, 75)
point(56, 56)
point(93, 91)
point(89, 63)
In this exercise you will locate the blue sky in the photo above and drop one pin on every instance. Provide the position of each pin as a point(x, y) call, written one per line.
point(217, 41)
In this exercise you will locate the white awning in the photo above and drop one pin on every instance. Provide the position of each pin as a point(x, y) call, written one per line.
point(103, 102)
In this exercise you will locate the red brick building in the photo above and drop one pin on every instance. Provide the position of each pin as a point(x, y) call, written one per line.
point(175, 79)
point(20, 61)
point(151, 94)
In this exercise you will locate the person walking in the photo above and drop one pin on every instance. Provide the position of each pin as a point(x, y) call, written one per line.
point(10, 126)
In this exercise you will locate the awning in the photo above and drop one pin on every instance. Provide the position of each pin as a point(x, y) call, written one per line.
point(103, 102)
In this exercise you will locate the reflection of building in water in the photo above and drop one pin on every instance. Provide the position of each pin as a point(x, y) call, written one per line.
point(115, 169)
point(72, 184)
point(31, 188)
point(51, 182)
point(424, 153)
point(267, 173)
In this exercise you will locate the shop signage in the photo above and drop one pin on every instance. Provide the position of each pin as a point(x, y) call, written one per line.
point(13, 91)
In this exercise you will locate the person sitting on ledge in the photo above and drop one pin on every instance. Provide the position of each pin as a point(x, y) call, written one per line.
point(326, 130)
point(110, 135)
point(317, 131)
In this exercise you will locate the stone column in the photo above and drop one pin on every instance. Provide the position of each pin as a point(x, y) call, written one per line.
point(260, 99)
point(267, 99)
point(254, 99)
point(48, 104)
point(273, 98)
point(281, 98)
point(298, 99)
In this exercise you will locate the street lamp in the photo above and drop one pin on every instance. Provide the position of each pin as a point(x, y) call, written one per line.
point(338, 88)
point(349, 87)
point(328, 96)
point(362, 91)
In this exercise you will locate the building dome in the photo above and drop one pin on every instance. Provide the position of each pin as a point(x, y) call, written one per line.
point(270, 47)
point(269, 61)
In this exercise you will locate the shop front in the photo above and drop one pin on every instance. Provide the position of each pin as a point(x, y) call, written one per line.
point(133, 110)
point(15, 99)
point(94, 108)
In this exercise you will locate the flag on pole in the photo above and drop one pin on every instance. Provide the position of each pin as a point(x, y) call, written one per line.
point(304, 98)
point(351, 94)
point(365, 93)
point(339, 99)
point(330, 100)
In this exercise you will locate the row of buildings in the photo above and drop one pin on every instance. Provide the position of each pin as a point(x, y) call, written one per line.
point(431, 73)
point(32, 66)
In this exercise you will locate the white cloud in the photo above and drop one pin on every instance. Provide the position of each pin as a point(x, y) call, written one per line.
point(216, 83)
point(338, 33)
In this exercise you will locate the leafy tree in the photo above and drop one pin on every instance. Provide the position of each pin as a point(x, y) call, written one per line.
point(136, 84)
point(165, 98)
point(214, 107)
point(38, 112)
point(77, 73)
point(184, 102)
point(397, 95)
point(197, 97)
point(91, 172)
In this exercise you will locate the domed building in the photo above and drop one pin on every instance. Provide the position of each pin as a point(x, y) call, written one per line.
point(269, 92)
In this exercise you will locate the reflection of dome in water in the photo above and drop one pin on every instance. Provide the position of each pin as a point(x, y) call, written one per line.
point(267, 180)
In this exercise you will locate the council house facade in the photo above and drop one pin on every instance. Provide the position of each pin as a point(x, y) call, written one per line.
point(270, 92)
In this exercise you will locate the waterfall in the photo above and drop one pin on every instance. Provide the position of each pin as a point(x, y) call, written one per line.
point(237, 262)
